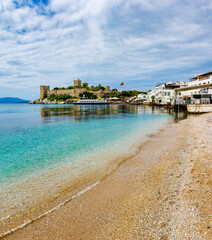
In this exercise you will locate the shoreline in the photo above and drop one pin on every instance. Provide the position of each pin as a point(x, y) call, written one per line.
point(115, 203)
point(68, 190)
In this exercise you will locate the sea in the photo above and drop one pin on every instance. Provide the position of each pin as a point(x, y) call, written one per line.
point(50, 153)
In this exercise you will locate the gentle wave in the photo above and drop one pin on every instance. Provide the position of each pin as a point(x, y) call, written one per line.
point(49, 211)
point(4, 218)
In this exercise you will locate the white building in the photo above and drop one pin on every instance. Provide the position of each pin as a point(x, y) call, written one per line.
point(142, 97)
point(150, 96)
point(201, 80)
point(164, 93)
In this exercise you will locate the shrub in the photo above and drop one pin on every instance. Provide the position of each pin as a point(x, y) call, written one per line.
point(88, 95)
point(97, 88)
point(52, 97)
point(62, 97)
point(128, 93)
point(70, 87)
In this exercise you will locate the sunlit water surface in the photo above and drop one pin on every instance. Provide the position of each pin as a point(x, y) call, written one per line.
point(43, 147)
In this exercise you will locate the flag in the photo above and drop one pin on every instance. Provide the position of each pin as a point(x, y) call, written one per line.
point(122, 84)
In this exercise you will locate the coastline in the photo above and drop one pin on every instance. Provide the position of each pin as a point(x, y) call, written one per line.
point(42, 199)
point(151, 195)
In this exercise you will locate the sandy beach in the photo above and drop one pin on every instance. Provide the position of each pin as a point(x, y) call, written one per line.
point(164, 192)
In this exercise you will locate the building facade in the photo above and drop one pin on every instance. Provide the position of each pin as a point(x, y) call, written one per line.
point(198, 91)
point(142, 97)
point(199, 84)
point(164, 93)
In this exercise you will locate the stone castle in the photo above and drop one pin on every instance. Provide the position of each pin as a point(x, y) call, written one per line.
point(46, 92)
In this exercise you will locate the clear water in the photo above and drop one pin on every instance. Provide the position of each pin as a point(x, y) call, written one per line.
point(44, 145)
point(36, 138)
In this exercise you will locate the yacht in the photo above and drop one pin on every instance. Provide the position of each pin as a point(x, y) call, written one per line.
point(91, 101)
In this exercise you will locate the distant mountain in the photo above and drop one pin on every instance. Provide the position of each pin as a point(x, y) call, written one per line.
point(12, 100)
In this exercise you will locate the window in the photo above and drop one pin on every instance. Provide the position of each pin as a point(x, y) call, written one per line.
point(168, 93)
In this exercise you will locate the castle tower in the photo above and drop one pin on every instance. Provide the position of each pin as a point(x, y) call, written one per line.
point(44, 92)
point(77, 83)
point(107, 88)
point(85, 84)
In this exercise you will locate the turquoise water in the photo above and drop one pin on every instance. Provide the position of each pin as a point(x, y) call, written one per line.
point(45, 145)
point(36, 138)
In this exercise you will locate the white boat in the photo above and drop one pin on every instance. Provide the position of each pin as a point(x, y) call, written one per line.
point(91, 101)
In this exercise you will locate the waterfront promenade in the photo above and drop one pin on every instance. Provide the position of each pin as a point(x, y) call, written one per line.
point(164, 192)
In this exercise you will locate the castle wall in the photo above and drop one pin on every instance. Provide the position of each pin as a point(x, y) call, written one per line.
point(75, 92)
point(64, 91)
point(45, 90)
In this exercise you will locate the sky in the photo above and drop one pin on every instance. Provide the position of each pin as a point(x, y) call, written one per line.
point(138, 42)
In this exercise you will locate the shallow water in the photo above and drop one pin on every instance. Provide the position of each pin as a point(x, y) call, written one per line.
point(46, 147)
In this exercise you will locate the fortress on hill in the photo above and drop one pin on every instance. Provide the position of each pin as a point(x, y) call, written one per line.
point(74, 90)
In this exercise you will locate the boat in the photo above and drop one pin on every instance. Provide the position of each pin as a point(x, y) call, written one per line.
point(91, 101)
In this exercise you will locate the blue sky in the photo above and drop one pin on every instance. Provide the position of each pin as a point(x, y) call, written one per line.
point(139, 42)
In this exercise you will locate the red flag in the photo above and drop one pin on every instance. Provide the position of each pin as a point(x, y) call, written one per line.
point(122, 84)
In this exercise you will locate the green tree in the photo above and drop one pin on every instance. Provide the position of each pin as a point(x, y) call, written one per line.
point(125, 94)
point(134, 92)
point(70, 87)
point(88, 95)
point(98, 88)
point(60, 97)
point(114, 90)
point(52, 97)
point(153, 98)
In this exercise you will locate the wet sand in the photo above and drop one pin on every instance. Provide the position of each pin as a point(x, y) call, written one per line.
point(164, 192)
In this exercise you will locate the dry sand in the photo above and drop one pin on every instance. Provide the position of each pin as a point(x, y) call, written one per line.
point(164, 192)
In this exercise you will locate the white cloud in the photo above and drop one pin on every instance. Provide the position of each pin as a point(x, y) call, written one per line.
point(107, 41)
